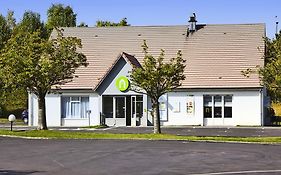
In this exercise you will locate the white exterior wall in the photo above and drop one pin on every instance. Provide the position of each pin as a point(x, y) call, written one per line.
point(32, 110)
point(181, 117)
point(246, 108)
point(53, 110)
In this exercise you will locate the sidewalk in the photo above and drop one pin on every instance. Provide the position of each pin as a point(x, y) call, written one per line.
point(176, 130)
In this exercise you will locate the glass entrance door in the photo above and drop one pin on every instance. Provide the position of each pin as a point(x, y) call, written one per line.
point(114, 110)
point(137, 110)
point(120, 107)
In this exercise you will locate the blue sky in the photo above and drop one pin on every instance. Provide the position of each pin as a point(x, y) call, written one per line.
point(159, 12)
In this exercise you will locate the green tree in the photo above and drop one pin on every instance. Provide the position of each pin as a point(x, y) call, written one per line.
point(31, 22)
point(270, 74)
point(157, 78)
point(60, 16)
point(38, 64)
point(11, 20)
point(5, 31)
point(122, 22)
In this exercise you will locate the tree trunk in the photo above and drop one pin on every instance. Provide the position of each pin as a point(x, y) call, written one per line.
point(157, 129)
point(42, 123)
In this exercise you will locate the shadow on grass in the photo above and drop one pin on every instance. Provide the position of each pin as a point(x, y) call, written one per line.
point(14, 172)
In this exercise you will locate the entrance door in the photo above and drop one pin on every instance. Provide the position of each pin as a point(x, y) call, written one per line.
point(120, 107)
point(137, 110)
point(120, 111)
point(114, 110)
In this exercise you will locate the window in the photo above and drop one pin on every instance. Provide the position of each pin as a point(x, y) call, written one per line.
point(218, 106)
point(74, 107)
point(107, 104)
point(227, 106)
point(208, 106)
point(221, 104)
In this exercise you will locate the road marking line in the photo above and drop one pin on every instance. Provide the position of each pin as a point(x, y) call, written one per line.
point(241, 172)
point(60, 164)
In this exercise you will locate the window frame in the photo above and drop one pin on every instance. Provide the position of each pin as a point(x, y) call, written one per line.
point(222, 105)
point(71, 101)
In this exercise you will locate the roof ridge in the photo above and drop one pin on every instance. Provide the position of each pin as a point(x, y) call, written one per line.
point(138, 26)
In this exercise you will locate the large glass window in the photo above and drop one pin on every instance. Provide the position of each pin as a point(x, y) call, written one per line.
point(222, 106)
point(208, 106)
point(74, 107)
point(120, 107)
point(228, 106)
point(218, 106)
point(107, 106)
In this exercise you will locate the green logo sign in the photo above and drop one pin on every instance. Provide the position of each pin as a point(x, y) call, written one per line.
point(122, 83)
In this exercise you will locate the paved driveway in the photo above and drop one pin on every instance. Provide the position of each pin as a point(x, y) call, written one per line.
point(124, 157)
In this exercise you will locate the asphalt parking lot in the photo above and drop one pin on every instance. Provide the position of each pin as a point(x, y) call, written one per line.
point(126, 157)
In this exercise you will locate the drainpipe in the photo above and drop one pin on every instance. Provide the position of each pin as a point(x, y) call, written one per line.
point(261, 106)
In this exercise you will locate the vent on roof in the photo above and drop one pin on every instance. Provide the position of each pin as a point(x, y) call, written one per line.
point(192, 23)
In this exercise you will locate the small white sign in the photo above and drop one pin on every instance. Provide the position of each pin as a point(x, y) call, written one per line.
point(190, 105)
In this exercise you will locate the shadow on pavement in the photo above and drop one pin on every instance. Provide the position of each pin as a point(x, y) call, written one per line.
point(13, 172)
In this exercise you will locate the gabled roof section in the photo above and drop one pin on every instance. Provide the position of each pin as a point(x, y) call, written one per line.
point(129, 58)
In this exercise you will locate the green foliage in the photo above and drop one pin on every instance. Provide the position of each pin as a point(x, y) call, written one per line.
point(11, 20)
point(31, 22)
point(37, 63)
point(5, 31)
point(271, 73)
point(13, 102)
point(60, 16)
point(34, 63)
point(157, 78)
point(25, 58)
point(122, 22)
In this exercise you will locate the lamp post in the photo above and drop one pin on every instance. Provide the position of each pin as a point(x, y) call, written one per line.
point(11, 119)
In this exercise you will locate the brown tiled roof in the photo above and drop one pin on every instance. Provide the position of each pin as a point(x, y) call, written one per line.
point(215, 54)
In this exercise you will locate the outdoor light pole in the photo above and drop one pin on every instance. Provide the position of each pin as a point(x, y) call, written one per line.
point(11, 119)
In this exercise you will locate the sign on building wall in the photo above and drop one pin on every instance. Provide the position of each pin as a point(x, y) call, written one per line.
point(190, 105)
point(122, 83)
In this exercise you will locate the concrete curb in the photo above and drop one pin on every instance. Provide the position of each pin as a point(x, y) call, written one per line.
point(23, 137)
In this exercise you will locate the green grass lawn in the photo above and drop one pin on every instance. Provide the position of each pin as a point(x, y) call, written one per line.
point(96, 127)
point(91, 135)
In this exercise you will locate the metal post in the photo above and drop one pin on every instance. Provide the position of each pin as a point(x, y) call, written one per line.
point(11, 126)
point(89, 116)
